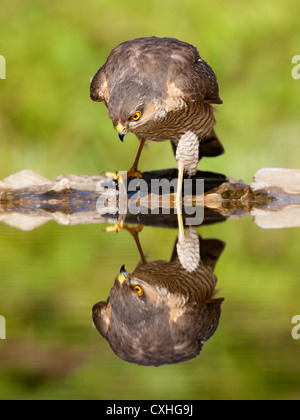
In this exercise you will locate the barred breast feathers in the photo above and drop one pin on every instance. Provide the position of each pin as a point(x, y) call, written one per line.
point(172, 119)
point(172, 278)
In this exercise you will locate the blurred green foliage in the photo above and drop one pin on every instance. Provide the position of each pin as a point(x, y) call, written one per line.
point(50, 278)
point(53, 48)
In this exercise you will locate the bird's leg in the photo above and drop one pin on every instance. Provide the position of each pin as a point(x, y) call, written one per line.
point(188, 250)
point(179, 201)
point(133, 171)
point(134, 232)
point(187, 156)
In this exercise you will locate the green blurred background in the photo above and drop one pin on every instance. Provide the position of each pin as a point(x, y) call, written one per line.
point(50, 278)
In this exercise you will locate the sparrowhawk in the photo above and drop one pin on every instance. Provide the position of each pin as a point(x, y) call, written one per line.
point(161, 89)
point(162, 313)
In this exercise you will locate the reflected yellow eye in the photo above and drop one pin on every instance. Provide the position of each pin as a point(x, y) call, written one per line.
point(138, 290)
point(136, 116)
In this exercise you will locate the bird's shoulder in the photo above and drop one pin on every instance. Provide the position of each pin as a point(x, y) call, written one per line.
point(192, 77)
point(99, 88)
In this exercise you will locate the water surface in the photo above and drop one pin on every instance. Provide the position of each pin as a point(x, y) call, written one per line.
point(51, 278)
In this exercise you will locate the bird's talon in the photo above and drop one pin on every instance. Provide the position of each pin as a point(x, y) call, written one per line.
point(116, 228)
point(135, 230)
point(134, 173)
point(114, 175)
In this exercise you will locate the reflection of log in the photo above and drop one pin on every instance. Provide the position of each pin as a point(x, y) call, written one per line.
point(283, 185)
point(28, 200)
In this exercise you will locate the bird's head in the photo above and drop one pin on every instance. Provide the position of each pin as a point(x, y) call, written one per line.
point(148, 319)
point(127, 292)
point(130, 105)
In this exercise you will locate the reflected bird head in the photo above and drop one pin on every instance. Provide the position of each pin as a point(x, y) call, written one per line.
point(161, 313)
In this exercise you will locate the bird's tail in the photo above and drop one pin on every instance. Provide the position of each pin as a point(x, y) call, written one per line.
point(211, 147)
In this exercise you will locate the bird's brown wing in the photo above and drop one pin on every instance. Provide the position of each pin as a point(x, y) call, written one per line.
point(197, 325)
point(191, 75)
point(173, 68)
point(99, 89)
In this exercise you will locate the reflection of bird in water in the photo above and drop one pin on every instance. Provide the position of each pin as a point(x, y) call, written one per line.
point(163, 313)
point(161, 89)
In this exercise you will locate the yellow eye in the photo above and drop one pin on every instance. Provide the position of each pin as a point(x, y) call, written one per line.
point(136, 116)
point(138, 290)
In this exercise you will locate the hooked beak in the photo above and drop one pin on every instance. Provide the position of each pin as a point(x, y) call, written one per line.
point(123, 274)
point(121, 131)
